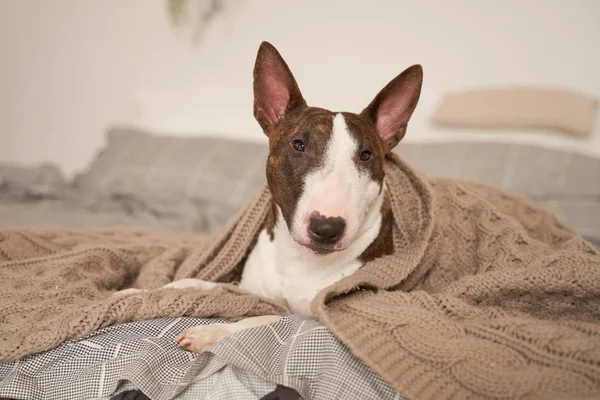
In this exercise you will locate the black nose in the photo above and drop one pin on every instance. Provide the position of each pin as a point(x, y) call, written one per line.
point(326, 230)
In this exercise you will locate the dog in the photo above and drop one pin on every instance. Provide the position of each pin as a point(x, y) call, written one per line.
point(325, 173)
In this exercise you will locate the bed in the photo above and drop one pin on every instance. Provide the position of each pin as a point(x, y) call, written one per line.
point(191, 185)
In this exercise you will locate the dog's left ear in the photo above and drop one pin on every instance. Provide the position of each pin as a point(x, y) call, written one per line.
point(392, 108)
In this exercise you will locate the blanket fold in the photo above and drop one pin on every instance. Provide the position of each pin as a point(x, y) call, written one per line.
point(487, 295)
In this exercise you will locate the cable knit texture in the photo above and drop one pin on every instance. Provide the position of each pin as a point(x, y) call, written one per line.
point(487, 295)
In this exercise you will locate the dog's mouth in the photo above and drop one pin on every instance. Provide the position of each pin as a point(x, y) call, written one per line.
point(321, 250)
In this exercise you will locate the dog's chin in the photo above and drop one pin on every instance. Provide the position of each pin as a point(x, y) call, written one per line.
point(320, 250)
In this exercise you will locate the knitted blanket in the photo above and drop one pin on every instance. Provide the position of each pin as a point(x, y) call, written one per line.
point(486, 295)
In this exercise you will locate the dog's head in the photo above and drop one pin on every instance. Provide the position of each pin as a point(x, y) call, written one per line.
point(325, 169)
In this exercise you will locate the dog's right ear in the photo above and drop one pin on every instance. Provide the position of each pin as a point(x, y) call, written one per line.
point(275, 90)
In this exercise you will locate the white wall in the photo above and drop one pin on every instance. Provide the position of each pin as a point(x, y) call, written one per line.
point(71, 68)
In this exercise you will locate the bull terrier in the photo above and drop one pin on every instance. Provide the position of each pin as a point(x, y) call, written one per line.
point(331, 210)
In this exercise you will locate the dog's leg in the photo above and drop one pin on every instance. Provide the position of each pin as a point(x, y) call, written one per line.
point(199, 338)
point(179, 284)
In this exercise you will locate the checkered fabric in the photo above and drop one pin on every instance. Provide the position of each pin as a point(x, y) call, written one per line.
point(296, 352)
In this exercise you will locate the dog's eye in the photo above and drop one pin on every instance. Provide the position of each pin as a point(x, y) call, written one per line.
point(365, 155)
point(298, 145)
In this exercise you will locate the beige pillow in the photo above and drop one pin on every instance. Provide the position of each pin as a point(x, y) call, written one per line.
point(560, 110)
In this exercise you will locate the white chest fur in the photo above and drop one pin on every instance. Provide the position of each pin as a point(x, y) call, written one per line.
point(282, 269)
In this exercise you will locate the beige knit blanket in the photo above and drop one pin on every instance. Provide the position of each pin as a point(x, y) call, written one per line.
point(486, 296)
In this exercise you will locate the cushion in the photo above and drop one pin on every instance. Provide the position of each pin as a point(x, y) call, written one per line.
point(163, 171)
point(560, 110)
point(20, 183)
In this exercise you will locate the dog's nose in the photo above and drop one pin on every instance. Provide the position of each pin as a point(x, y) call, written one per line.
point(326, 230)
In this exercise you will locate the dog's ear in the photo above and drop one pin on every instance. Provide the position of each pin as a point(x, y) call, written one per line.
point(392, 108)
point(275, 90)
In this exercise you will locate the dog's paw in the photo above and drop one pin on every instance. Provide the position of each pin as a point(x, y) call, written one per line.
point(199, 338)
point(126, 292)
point(191, 283)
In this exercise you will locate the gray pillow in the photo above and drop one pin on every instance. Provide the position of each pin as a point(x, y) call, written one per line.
point(171, 170)
point(19, 183)
point(537, 172)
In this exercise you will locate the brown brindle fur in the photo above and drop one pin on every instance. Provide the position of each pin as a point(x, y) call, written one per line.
point(383, 245)
point(271, 221)
point(286, 167)
point(282, 112)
